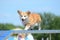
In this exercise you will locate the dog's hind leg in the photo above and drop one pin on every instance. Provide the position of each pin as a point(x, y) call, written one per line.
point(39, 26)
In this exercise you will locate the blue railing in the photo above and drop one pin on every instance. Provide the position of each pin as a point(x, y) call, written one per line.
point(5, 34)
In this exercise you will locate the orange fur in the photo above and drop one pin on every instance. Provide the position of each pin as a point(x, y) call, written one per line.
point(34, 18)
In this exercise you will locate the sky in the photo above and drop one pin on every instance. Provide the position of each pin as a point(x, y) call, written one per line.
point(8, 9)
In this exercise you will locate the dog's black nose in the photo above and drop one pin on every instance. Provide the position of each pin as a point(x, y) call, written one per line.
point(22, 19)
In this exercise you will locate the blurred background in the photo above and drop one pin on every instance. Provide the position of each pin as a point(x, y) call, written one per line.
point(48, 9)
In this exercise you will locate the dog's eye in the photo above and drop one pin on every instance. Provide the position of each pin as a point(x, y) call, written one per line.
point(21, 16)
point(24, 16)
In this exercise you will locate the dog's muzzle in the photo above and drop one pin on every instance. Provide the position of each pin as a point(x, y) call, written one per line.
point(22, 19)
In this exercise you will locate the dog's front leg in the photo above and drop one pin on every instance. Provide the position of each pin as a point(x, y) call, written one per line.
point(27, 27)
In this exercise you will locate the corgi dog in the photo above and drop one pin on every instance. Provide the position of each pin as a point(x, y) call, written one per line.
point(29, 19)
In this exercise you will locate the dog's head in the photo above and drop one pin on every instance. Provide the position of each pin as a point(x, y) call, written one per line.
point(23, 15)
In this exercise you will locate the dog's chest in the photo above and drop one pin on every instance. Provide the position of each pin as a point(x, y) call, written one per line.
point(25, 21)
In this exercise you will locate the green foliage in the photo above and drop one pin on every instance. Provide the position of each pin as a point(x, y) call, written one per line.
point(14, 34)
point(56, 23)
point(21, 27)
point(8, 26)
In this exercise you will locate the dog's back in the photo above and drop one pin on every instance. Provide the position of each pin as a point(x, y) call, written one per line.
point(34, 18)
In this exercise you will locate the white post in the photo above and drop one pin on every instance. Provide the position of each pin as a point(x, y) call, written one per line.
point(50, 36)
point(47, 38)
point(42, 38)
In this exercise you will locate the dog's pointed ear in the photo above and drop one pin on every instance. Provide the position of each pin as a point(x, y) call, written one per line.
point(19, 12)
point(28, 12)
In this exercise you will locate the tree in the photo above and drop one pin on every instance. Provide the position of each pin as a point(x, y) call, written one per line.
point(6, 26)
